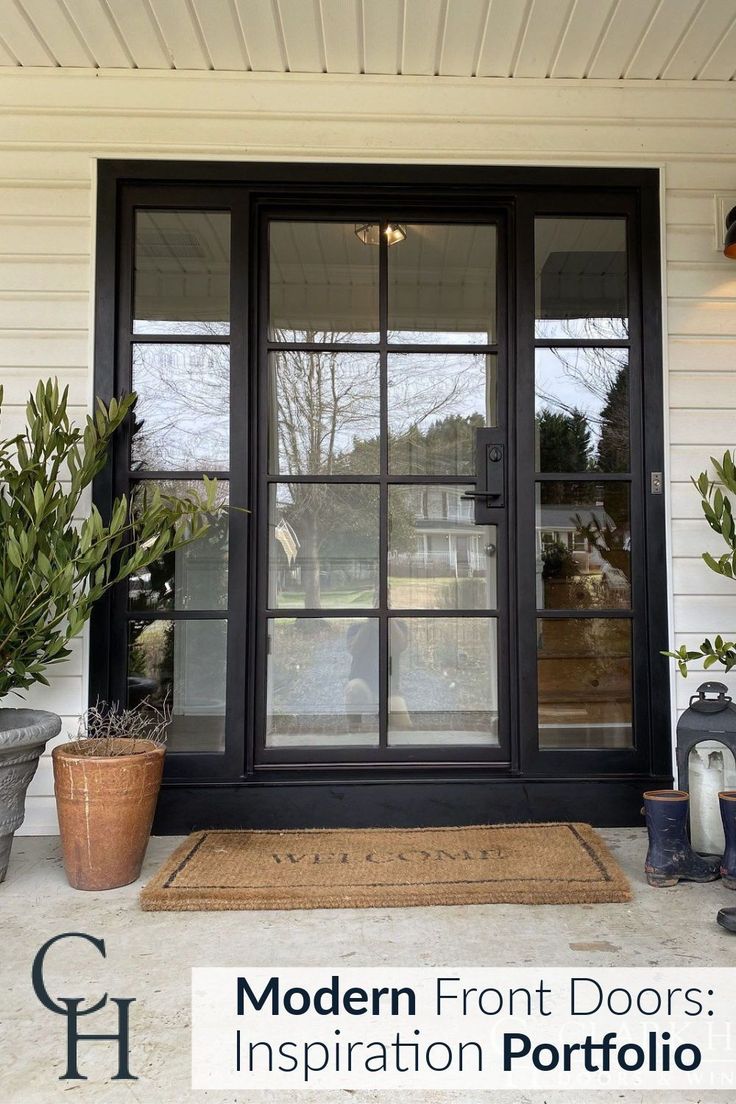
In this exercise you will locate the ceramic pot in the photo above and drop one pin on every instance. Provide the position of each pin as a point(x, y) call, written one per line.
point(106, 806)
point(24, 734)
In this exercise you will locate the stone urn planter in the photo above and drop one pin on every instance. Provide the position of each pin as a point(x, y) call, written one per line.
point(24, 734)
point(106, 798)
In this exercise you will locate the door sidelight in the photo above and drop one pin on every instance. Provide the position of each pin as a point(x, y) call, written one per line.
point(490, 492)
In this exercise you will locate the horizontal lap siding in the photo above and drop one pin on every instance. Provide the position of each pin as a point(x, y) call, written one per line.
point(45, 279)
point(701, 313)
point(53, 127)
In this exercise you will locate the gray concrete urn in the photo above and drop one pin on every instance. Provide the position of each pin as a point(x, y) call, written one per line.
point(24, 734)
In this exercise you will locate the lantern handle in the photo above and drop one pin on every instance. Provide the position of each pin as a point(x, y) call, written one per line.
point(703, 704)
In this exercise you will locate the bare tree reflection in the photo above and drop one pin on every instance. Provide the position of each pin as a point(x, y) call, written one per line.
point(436, 401)
point(182, 416)
point(325, 420)
point(324, 403)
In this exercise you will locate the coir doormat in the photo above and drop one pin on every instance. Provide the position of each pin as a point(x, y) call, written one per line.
point(525, 864)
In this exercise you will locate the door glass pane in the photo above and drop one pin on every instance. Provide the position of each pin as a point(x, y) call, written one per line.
point(182, 272)
point(323, 545)
point(582, 410)
point(437, 557)
point(443, 681)
point(585, 691)
point(195, 576)
point(581, 287)
point(442, 286)
point(322, 682)
point(183, 663)
point(182, 414)
point(324, 413)
point(324, 283)
point(583, 545)
point(436, 401)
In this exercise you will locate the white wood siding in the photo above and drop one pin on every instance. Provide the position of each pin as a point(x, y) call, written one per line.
point(54, 125)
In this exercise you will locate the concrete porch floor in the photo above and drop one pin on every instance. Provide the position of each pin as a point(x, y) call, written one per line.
point(149, 956)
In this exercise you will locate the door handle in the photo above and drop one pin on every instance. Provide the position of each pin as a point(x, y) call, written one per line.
point(489, 493)
point(494, 468)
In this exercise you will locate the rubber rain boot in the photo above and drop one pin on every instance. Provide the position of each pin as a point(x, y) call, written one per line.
point(727, 801)
point(670, 858)
point(727, 919)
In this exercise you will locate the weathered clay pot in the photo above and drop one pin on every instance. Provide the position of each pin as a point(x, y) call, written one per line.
point(106, 806)
point(24, 734)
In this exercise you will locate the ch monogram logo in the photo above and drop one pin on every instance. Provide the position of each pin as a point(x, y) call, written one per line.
point(70, 1007)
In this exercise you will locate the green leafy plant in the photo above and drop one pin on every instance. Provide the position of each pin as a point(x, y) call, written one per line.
point(718, 513)
point(558, 562)
point(55, 566)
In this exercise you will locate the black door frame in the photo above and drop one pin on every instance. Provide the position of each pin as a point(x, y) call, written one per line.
point(535, 760)
point(209, 790)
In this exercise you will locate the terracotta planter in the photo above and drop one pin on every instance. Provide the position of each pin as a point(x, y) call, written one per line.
point(106, 806)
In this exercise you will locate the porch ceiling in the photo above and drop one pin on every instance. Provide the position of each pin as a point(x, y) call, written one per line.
point(593, 39)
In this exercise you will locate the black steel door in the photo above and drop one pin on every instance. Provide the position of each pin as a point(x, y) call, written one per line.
point(434, 398)
point(383, 591)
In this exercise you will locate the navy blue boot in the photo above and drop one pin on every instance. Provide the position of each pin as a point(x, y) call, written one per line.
point(670, 857)
point(727, 801)
point(727, 919)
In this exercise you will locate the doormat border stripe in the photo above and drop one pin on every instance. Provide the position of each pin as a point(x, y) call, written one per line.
point(163, 894)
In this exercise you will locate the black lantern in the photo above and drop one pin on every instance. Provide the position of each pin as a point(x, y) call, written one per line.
point(729, 242)
point(706, 760)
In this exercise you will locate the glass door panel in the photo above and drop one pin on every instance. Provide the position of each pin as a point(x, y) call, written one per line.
point(182, 413)
point(436, 402)
point(442, 286)
point(181, 275)
point(586, 537)
point(438, 558)
point(323, 552)
point(443, 683)
point(584, 679)
point(582, 409)
point(322, 682)
point(583, 545)
point(381, 609)
point(323, 284)
point(581, 278)
point(324, 412)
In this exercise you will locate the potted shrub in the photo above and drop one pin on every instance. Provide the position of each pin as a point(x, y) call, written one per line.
point(54, 567)
point(106, 782)
point(718, 513)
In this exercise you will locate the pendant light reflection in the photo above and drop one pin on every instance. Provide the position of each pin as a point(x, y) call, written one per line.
point(370, 233)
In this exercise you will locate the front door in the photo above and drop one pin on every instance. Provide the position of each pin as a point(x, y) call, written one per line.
point(433, 399)
point(383, 611)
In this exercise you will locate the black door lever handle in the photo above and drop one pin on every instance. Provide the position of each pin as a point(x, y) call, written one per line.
point(488, 493)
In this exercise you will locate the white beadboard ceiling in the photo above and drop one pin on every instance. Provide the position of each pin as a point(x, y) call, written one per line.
point(593, 39)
